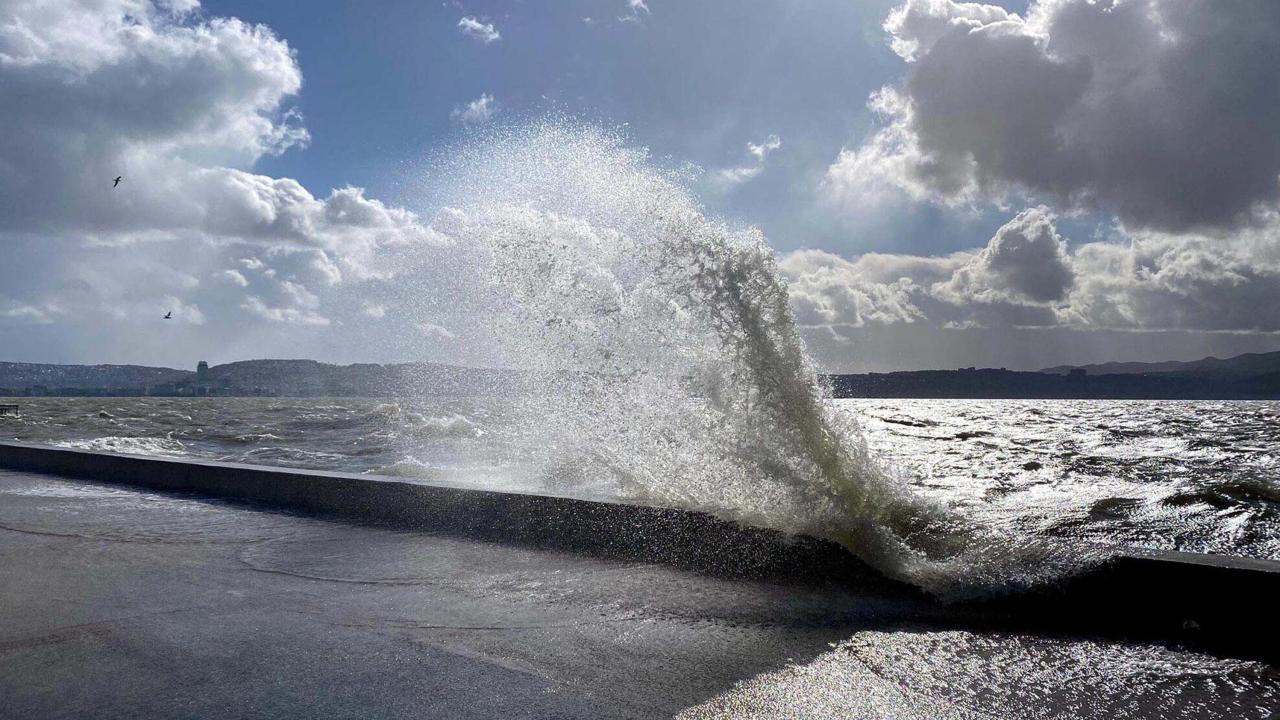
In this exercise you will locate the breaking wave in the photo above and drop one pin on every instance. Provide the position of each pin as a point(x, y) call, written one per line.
point(154, 446)
point(667, 363)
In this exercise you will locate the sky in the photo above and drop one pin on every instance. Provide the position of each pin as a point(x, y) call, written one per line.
point(945, 184)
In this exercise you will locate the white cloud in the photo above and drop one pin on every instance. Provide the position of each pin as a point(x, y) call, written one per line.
point(636, 10)
point(300, 295)
point(234, 277)
point(322, 264)
point(435, 332)
point(481, 31)
point(916, 25)
point(1156, 281)
point(27, 313)
point(1158, 111)
point(759, 154)
point(477, 112)
point(1026, 276)
point(183, 312)
point(886, 165)
point(181, 105)
point(291, 315)
point(377, 312)
point(136, 309)
point(828, 291)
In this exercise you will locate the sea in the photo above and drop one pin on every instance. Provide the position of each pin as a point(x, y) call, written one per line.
point(1188, 475)
point(1183, 475)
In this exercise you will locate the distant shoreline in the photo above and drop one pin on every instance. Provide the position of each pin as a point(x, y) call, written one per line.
point(1245, 377)
point(991, 384)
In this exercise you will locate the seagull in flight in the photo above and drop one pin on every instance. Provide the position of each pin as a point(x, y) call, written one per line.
point(118, 179)
point(168, 315)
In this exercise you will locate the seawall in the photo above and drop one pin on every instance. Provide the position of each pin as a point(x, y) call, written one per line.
point(1216, 603)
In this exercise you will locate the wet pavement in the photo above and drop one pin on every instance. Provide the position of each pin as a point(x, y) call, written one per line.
point(118, 603)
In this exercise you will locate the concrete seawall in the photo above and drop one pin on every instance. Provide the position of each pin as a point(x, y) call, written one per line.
point(682, 538)
point(1215, 603)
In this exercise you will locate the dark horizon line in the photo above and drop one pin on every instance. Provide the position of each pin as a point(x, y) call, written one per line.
point(1052, 369)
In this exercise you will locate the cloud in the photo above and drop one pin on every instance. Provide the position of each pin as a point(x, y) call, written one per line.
point(21, 312)
point(1160, 112)
point(235, 277)
point(182, 105)
point(481, 31)
point(828, 291)
point(377, 312)
point(1026, 277)
point(289, 315)
point(915, 26)
point(435, 332)
point(1026, 262)
point(892, 164)
point(1160, 282)
point(759, 154)
point(183, 312)
point(636, 10)
point(477, 112)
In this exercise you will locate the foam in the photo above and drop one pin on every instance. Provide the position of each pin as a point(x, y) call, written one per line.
point(667, 363)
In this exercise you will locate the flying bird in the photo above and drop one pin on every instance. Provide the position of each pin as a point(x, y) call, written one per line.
point(168, 315)
point(118, 179)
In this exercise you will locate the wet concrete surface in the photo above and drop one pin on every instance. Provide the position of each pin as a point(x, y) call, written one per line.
point(116, 602)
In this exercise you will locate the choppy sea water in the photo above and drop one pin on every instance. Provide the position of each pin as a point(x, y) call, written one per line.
point(1195, 476)
point(1199, 476)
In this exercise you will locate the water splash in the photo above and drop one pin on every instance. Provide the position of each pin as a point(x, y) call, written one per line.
point(666, 361)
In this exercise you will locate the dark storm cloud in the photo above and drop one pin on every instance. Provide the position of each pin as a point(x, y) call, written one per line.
point(1162, 112)
point(1025, 262)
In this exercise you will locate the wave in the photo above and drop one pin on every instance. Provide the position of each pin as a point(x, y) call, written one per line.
point(162, 447)
point(454, 425)
point(410, 467)
point(291, 456)
point(668, 363)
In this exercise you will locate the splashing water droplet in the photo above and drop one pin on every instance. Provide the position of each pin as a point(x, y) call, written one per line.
point(667, 362)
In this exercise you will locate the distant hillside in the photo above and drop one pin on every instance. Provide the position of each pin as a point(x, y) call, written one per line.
point(1247, 364)
point(1253, 376)
point(995, 384)
point(22, 375)
point(284, 378)
point(309, 378)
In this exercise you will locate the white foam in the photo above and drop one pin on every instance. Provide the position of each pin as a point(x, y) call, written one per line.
point(162, 447)
point(668, 363)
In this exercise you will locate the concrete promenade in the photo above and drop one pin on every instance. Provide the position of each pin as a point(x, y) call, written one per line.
point(121, 601)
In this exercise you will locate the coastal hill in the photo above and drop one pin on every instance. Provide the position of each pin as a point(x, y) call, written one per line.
point(17, 376)
point(309, 378)
point(1251, 376)
point(1247, 364)
point(271, 378)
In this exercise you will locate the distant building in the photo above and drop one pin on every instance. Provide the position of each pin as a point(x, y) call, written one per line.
point(202, 371)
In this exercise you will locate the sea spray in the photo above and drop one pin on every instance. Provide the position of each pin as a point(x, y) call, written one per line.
point(664, 359)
